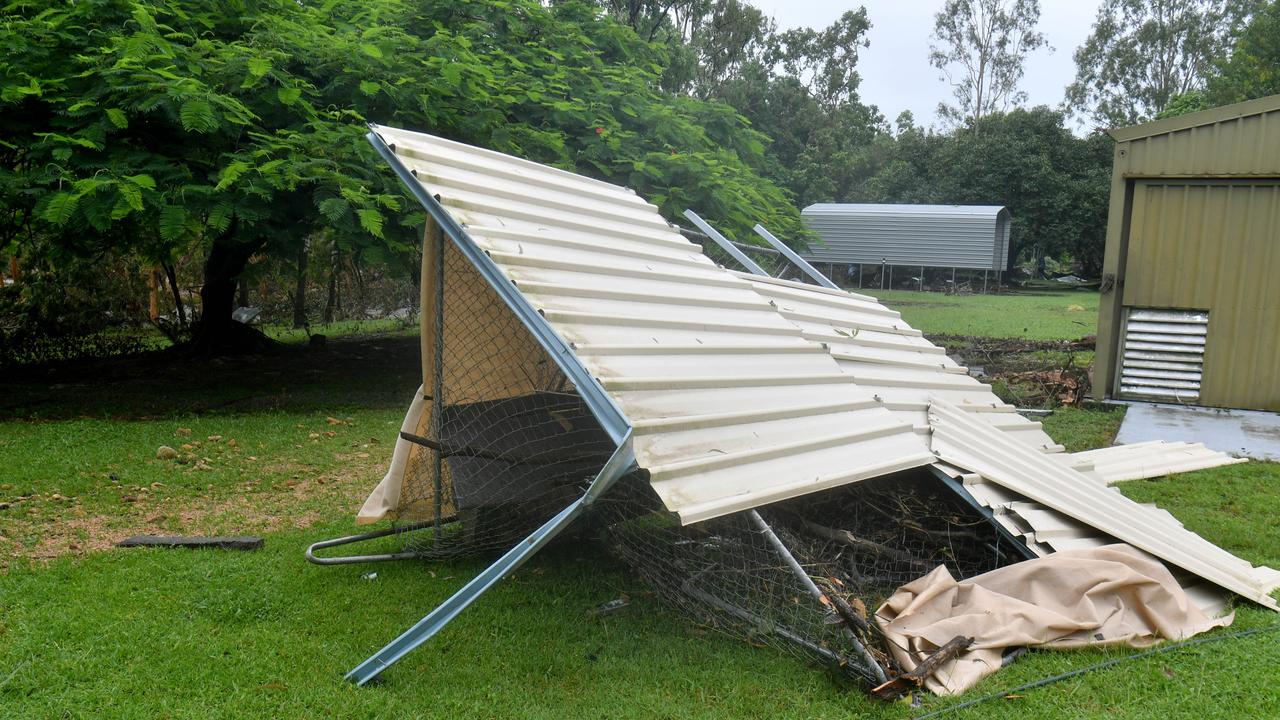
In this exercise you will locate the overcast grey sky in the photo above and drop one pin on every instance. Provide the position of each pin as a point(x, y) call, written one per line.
point(895, 70)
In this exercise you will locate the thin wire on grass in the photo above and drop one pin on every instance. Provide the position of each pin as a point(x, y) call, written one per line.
point(1098, 666)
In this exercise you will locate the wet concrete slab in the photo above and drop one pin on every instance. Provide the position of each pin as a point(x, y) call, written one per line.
point(1242, 433)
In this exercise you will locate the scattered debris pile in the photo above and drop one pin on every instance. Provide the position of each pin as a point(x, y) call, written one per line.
point(1027, 373)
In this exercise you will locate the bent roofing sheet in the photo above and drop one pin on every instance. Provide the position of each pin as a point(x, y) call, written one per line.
point(1148, 460)
point(731, 406)
point(891, 360)
point(965, 443)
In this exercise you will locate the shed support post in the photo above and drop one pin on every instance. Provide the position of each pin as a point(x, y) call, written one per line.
point(921, 278)
point(984, 281)
point(953, 279)
point(434, 254)
point(890, 277)
point(859, 276)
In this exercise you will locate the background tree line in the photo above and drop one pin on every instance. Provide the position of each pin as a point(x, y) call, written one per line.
point(221, 141)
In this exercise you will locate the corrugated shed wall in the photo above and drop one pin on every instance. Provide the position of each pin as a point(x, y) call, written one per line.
point(1195, 207)
point(1230, 147)
point(920, 235)
point(1215, 247)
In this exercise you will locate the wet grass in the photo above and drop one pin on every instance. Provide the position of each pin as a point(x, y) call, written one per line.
point(93, 632)
point(1040, 315)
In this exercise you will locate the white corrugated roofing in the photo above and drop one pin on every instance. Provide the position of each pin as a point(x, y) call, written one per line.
point(731, 406)
point(890, 360)
point(742, 391)
point(961, 441)
point(1153, 459)
point(948, 236)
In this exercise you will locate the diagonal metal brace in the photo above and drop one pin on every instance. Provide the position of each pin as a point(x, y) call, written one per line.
point(618, 465)
point(725, 243)
point(795, 258)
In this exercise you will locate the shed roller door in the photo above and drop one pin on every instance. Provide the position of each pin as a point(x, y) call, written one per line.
point(1163, 354)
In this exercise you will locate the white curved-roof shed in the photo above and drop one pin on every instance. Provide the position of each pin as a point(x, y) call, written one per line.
point(957, 236)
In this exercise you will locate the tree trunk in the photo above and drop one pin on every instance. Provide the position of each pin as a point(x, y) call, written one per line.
point(331, 302)
point(242, 295)
point(178, 305)
point(300, 290)
point(217, 332)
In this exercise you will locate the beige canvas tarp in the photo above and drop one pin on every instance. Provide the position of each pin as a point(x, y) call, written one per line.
point(1111, 595)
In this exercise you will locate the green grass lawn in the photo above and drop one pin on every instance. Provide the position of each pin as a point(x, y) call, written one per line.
point(1039, 314)
point(90, 631)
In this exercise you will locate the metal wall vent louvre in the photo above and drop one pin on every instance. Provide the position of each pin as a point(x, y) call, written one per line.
point(1163, 354)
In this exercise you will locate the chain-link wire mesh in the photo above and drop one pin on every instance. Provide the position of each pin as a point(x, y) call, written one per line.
point(505, 442)
point(858, 544)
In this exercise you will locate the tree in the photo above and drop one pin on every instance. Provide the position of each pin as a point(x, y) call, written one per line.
point(982, 47)
point(1054, 184)
point(1143, 53)
point(234, 129)
point(1252, 69)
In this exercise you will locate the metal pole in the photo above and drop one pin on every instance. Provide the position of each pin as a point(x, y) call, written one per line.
point(726, 244)
point(859, 276)
point(619, 464)
point(890, 277)
point(984, 281)
point(921, 278)
point(798, 261)
point(814, 590)
point(437, 388)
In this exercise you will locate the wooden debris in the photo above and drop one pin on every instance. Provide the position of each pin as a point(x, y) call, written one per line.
point(242, 542)
point(915, 679)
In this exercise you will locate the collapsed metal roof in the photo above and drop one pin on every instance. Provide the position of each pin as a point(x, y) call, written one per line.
point(732, 407)
point(735, 391)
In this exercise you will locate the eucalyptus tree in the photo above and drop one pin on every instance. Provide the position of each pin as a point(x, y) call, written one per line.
point(1141, 54)
point(981, 47)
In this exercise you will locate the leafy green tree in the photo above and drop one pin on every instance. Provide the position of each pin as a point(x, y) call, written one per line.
point(1143, 53)
point(236, 128)
point(1252, 70)
point(1055, 184)
point(982, 46)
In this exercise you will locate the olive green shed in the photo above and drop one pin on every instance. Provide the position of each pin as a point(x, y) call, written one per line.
point(1190, 308)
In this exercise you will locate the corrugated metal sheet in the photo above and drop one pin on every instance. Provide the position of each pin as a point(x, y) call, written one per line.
point(890, 360)
point(978, 448)
point(1146, 460)
point(1213, 247)
point(731, 406)
point(959, 236)
point(1193, 221)
point(1231, 141)
point(1162, 354)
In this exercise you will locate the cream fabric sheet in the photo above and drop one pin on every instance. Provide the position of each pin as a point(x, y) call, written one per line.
point(1111, 595)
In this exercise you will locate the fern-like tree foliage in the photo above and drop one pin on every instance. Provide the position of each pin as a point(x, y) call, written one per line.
point(236, 128)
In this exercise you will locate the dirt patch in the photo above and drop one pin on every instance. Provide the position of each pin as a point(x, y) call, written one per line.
point(55, 532)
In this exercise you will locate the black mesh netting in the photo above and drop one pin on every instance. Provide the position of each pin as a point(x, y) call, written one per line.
point(505, 442)
point(857, 544)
